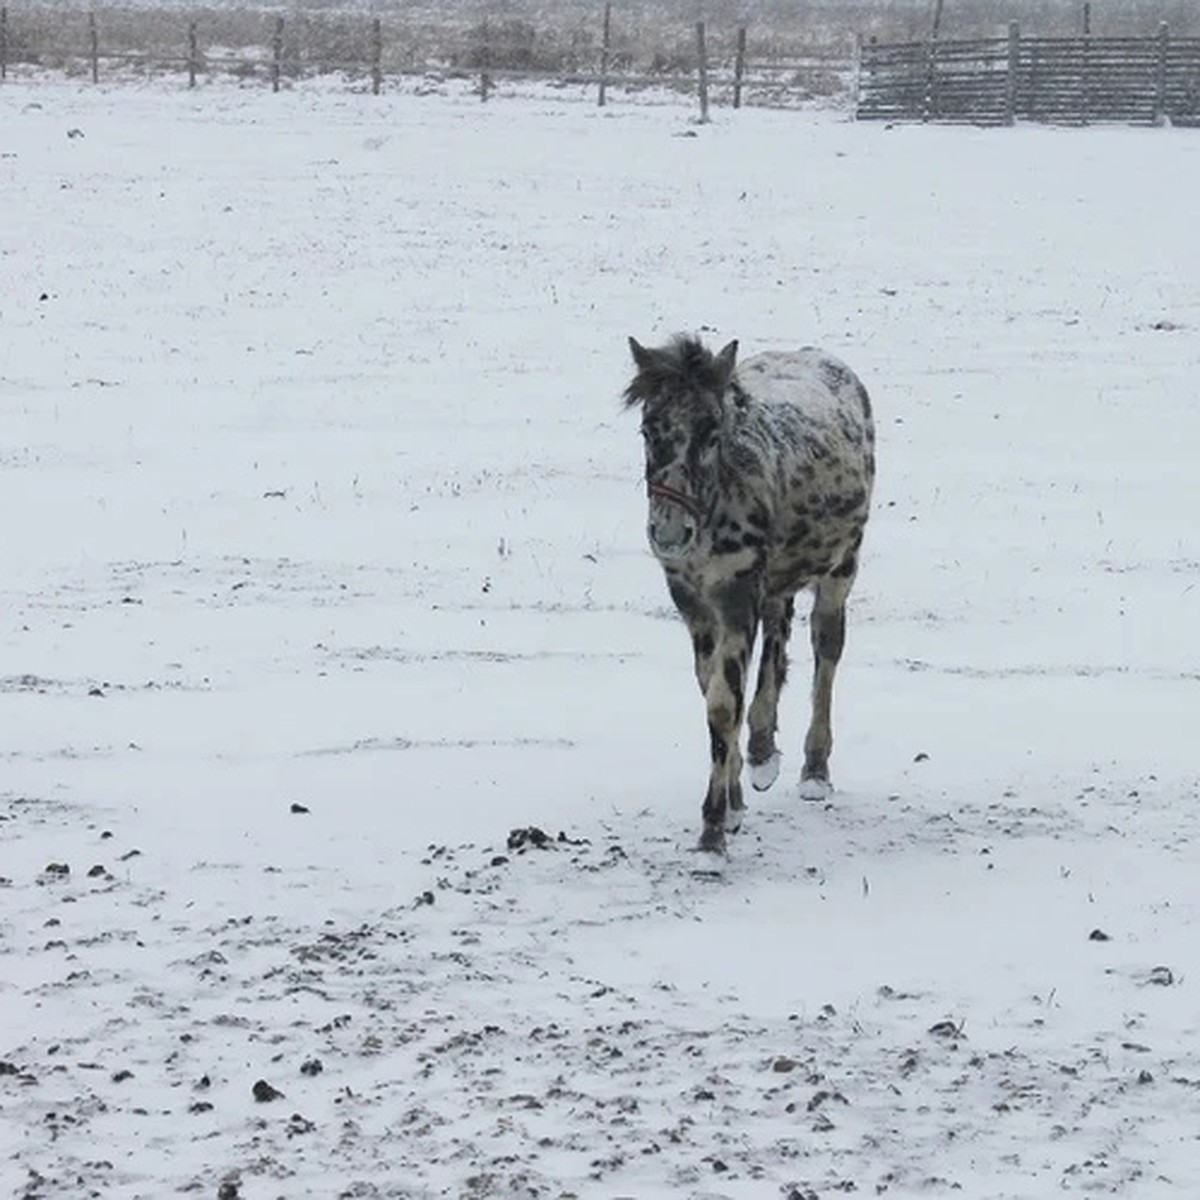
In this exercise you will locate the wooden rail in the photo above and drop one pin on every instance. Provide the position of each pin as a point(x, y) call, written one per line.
point(993, 81)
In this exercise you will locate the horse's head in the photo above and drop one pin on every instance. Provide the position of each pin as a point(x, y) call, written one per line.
point(683, 390)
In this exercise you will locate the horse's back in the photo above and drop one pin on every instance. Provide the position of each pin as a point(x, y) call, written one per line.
point(810, 379)
point(818, 416)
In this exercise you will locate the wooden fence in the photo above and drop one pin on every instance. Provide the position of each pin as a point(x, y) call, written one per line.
point(996, 81)
point(290, 48)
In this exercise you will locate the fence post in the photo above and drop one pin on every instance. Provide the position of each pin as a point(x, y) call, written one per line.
point(193, 54)
point(929, 105)
point(376, 56)
point(1085, 70)
point(1014, 65)
point(3, 43)
point(485, 62)
point(1160, 76)
point(702, 71)
point(94, 46)
point(277, 54)
point(739, 66)
point(605, 43)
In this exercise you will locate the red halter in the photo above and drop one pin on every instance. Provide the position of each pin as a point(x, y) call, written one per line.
point(663, 492)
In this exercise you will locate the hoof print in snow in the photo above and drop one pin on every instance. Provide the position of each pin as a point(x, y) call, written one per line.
point(297, 809)
point(56, 870)
point(920, 756)
point(529, 837)
point(230, 1189)
point(783, 1065)
point(97, 871)
point(297, 1125)
point(949, 1030)
point(1098, 935)
point(312, 1066)
point(121, 1076)
point(423, 900)
point(198, 1107)
point(499, 860)
point(264, 1093)
point(1161, 977)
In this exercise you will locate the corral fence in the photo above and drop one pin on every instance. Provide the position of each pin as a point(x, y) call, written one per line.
point(996, 81)
point(728, 66)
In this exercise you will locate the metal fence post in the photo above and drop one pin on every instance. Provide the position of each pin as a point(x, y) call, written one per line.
point(94, 46)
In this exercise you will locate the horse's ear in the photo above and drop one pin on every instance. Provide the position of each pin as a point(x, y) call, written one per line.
point(641, 356)
point(726, 361)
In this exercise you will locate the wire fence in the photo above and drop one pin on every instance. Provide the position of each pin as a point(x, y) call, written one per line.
point(715, 65)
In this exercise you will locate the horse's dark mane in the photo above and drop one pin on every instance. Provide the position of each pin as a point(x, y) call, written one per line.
point(683, 364)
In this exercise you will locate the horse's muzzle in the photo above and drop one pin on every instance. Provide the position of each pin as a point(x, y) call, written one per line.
point(671, 531)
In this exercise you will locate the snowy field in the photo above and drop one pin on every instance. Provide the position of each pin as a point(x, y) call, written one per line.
point(323, 572)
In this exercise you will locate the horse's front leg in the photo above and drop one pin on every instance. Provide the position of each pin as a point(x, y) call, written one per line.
point(772, 672)
point(723, 697)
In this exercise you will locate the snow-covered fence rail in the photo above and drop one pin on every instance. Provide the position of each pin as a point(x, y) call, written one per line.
point(1141, 81)
point(714, 64)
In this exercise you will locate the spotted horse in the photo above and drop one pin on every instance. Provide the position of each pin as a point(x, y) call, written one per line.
point(759, 480)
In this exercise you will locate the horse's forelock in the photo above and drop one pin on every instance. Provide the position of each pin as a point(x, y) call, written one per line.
point(684, 364)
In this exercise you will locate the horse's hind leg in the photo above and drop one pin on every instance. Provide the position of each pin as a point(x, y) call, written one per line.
point(827, 627)
point(772, 672)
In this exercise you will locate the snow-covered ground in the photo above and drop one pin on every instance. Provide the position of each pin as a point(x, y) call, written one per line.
point(322, 571)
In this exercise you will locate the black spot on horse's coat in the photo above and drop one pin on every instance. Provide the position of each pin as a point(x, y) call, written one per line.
point(718, 746)
point(703, 644)
point(835, 375)
point(737, 606)
point(865, 400)
point(686, 601)
point(733, 676)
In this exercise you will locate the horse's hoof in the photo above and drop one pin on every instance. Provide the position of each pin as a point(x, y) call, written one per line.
point(814, 788)
point(763, 774)
point(712, 841)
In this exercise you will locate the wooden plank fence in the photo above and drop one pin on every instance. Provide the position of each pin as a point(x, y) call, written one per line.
point(996, 81)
